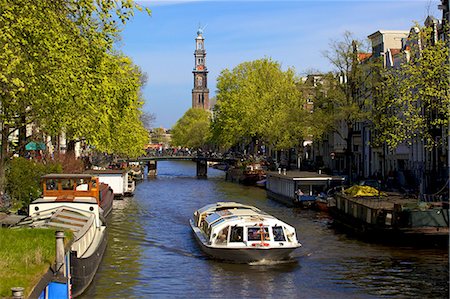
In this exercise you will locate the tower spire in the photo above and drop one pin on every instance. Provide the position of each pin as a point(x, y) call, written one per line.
point(200, 92)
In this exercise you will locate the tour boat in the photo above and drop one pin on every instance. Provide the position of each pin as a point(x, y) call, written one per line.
point(77, 188)
point(241, 233)
point(83, 218)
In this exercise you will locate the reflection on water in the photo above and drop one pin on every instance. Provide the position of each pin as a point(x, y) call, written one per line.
point(120, 269)
point(152, 253)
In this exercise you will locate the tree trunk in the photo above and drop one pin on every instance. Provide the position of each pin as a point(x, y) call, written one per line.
point(3, 156)
point(22, 137)
point(349, 153)
point(71, 148)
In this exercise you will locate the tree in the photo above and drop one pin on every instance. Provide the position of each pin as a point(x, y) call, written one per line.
point(414, 98)
point(158, 135)
point(258, 100)
point(413, 103)
point(54, 65)
point(346, 96)
point(192, 130)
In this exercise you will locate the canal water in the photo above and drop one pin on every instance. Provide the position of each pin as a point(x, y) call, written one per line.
point(152, 253)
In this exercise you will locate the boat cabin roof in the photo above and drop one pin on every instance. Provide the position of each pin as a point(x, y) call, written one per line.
point(305, 176)
point(68, 176)
point(237, 215)
point(107, 171)
point(225, 205)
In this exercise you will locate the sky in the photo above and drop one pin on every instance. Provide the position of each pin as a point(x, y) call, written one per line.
point(294, 33)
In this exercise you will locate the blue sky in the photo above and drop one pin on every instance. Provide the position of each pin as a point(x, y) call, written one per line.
point(294, 33)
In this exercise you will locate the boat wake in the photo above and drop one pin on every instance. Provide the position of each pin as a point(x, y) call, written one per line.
point(272, 263)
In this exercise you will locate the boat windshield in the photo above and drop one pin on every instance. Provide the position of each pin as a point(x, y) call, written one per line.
point(237, 234)
point(254, 234)
point(222, 237)
point(67, 184)
point(51, 184)
point(278, 234)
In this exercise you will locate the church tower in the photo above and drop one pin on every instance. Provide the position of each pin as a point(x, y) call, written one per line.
point(200, 92)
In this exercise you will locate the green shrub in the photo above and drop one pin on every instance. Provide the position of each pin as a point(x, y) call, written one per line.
point(23, 180)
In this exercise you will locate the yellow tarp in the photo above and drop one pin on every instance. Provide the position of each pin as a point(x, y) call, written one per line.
point(357, 191)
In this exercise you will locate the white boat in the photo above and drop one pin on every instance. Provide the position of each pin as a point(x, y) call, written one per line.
point(84, 219)
point(241, 233)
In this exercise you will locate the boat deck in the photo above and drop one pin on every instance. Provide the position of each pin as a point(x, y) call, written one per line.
point(80, 199)
point(386, 202)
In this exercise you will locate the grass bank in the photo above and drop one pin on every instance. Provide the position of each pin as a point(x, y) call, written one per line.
point(25, 255)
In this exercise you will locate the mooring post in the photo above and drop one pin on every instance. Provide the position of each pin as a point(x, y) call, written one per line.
point(59, 253)
point(17, 293)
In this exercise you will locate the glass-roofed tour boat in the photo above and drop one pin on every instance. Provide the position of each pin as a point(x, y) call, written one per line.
point(241, 233)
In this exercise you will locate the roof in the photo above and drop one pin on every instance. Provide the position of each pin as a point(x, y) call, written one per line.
point(105, 171)
point(381, 32)
point(364, 56)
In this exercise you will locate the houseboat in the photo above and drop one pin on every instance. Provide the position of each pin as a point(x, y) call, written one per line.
point(299, 188)
point(119, 180)
point(83, 218)
point(76, 188)
point(392, 217)
point(239, 233)
point(252, 174)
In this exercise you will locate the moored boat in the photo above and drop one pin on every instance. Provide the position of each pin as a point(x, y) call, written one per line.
point(77, 188)
point(392, 217)
point(83, 218)
point(240, 233)
point(299, 188)
point(252, 174)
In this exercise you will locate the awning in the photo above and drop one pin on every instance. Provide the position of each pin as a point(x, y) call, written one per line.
point(35, 146)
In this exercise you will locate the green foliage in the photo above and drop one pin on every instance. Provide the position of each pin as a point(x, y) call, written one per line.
point(24, 179)
point(341, 102)
point(25, 255)
point(157, 136)
point(59, 71)
point(192, 130)
point(258, 99)
point(413, 100)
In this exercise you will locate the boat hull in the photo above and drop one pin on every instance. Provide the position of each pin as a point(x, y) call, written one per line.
point(83, 269)
point(244, 255)
point(106, 199)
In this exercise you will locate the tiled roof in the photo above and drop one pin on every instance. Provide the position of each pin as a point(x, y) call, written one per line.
point(364, 56)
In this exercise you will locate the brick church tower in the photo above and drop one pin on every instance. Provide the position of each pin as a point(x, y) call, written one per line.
point(200, 92)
